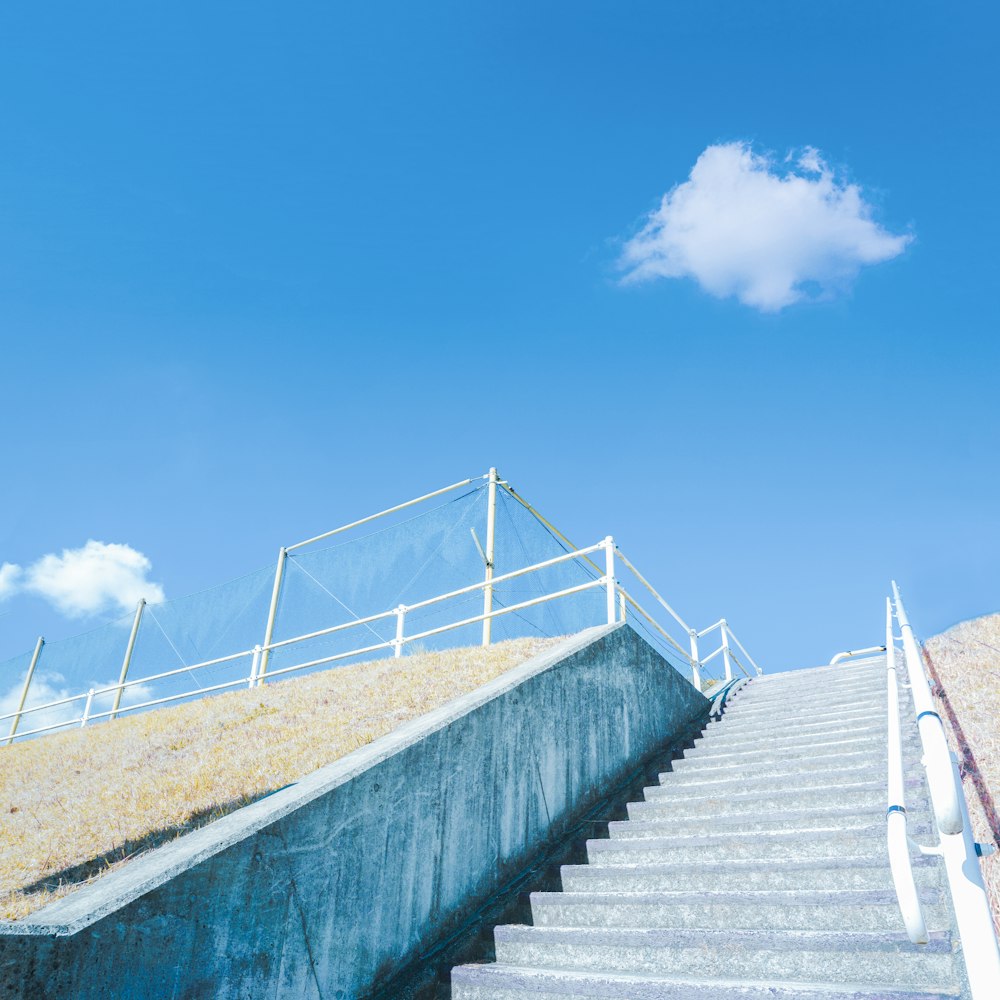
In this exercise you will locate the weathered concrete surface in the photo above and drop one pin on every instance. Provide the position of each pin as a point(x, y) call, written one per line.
point(326, 888)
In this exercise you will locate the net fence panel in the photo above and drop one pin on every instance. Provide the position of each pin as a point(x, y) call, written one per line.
point(213, 623)
point(522, 540)
point(72, 666)
point(404, 563)
point(12, 675)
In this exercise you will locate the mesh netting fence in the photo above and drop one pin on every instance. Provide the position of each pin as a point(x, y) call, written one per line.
point(348, 589)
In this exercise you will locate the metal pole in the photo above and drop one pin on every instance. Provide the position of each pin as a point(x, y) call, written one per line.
point(695, 662)
point(24, 691)
point(400, 625)
point(622, 606)
point(937, 757)
point(271, 614)
point(725, 650)
point(128, 657)
point(491, 524)
point(609, 565)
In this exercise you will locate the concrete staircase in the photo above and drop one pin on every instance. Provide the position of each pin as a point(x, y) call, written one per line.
point(756, 868)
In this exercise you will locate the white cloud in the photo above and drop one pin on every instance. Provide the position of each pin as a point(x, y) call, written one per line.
point(10, 574)
point(742, 226)
point(97, 577)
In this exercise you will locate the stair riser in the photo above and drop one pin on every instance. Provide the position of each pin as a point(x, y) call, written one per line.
point(719, 736)
point(645, 852)
point(665, 825)
point(719, 778)
point(832, 743)
point(773, 722)
point(721, 793)
point(493, 983)
point(799, 705)
point(728, 916)
point(712, 757)
point(766, 877)
point(873, 969)
point(781, 764)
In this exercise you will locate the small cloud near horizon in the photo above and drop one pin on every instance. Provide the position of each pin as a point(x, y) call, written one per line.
point(742, 225)
point(97, 577)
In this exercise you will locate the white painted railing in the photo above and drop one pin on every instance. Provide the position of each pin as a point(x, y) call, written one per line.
point(617, 602)
point(955, 842)
point(895, 815)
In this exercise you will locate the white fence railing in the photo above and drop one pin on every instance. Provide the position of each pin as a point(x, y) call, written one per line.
point(618, 601)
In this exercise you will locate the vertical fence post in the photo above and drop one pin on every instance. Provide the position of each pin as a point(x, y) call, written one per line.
point(400, 625)
point(86, 708)
point(695, 662)
point(24, 691)
point(622, 606)
point(128, 657)
point(725, 650)
point(254, 667)
point(609, 565)
point(272, 612)
point(491, 524)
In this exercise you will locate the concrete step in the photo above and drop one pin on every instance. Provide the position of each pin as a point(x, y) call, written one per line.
point(645, 814)
point(815, 677)
point(719, 874)
point(873, 958)
point(866, 842)
point(834, 769)
point(774, 722)
point(743, 756)
point(718, 797)
point(707, 769)
point(838, 910)
point(508, 982)
point(714, 744)
point(716, 732)
point(819, 701)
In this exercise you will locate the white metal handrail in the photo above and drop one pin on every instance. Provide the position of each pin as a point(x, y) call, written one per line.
point(944, 795)
point(895, 815)
point(848, 654)
point(956, 845)
point(618, 600)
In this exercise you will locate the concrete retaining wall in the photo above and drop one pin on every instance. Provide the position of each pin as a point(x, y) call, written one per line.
point(326, 888)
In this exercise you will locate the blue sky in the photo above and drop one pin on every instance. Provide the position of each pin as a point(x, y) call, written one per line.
point(267, 268)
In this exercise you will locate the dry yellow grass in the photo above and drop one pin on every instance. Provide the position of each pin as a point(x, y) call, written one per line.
point(965, 667)
point(77, 804)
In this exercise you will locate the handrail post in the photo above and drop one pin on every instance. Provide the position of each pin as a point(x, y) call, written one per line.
point(622, 605)
point(895, 817)
point(24, 690)
point(937, 758)
point(695, 662)
point(491, 523)
point(254, 667)
point(128, 657)
point(272, 613)
point(609, 578)
point(725, 650)
point(397, 644)
point(86, 708)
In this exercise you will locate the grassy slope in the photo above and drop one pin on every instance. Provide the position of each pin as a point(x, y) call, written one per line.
point(965, 662)
point(76, 804)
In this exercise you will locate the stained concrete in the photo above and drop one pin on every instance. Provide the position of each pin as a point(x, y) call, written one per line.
point(329, 887)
